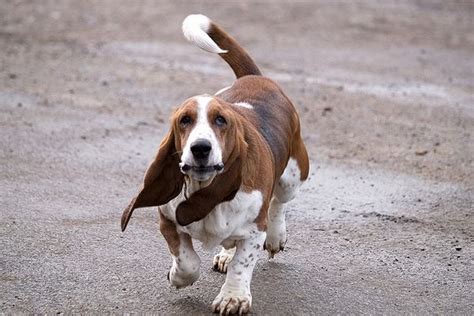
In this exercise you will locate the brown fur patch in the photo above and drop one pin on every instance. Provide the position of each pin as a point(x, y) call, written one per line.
point(168, 230)
point(237, 58)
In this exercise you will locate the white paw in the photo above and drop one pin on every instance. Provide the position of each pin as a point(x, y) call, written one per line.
point(180, 279)
point(230, 302)
point(276, 240)
point(222, 260)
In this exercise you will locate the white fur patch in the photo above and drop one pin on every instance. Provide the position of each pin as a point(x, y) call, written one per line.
point(195, 28)
point(244, 105)
point(185, 268)
point(232, 220)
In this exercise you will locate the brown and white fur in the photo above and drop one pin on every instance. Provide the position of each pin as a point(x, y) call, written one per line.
point(223, 172)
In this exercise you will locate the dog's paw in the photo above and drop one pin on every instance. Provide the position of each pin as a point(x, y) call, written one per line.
point(232, 303)
point(275, 242)
point(180, 280)
point(222, 260)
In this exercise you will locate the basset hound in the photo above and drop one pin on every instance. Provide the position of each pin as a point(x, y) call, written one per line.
point(223, 172)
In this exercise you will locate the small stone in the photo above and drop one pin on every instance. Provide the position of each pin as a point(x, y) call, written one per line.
point(421, 152)
point(326, 110)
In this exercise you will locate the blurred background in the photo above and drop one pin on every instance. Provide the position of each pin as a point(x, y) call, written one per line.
point(385, 94)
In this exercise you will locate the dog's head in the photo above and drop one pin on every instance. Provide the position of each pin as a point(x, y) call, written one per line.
point(205, 143)
point(207, 131)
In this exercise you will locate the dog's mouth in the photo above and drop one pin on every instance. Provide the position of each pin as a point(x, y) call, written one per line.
point(202, 169)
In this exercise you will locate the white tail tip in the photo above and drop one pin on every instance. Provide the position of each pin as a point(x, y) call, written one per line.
point(195, 28)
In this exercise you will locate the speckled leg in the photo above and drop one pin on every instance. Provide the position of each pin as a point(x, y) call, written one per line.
point(235, 296)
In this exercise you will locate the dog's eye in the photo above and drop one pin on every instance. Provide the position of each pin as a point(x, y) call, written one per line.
point(220, 121)
point(185, 120)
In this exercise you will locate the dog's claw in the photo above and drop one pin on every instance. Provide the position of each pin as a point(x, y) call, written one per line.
point(222, 260)
point(274, 249)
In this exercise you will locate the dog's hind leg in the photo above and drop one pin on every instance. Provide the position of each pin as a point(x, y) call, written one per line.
point(285, 191)
point(276, 229)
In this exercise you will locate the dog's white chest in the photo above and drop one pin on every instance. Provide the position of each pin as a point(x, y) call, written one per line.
point(232, 220)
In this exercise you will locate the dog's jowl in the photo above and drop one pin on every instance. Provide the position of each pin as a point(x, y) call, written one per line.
point(224, 171)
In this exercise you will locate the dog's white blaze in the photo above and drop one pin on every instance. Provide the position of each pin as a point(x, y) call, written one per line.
point(202, 130)
point(195, 28)
point(244, 105)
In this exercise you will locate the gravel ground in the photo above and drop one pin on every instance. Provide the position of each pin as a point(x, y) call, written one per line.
point(384, 226)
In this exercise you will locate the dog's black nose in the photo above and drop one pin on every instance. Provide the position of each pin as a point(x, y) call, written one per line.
point(201, 149)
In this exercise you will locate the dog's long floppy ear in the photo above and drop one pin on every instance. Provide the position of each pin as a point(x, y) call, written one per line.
point(163, 179)
point(223, 188)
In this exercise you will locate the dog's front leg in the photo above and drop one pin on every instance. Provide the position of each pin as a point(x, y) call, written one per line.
point(235, 296)
point(186, 262)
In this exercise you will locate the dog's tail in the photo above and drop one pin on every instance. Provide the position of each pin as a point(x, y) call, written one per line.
point(200, 30)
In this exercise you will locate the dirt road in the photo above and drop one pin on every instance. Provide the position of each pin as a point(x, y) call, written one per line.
point(385, 92)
